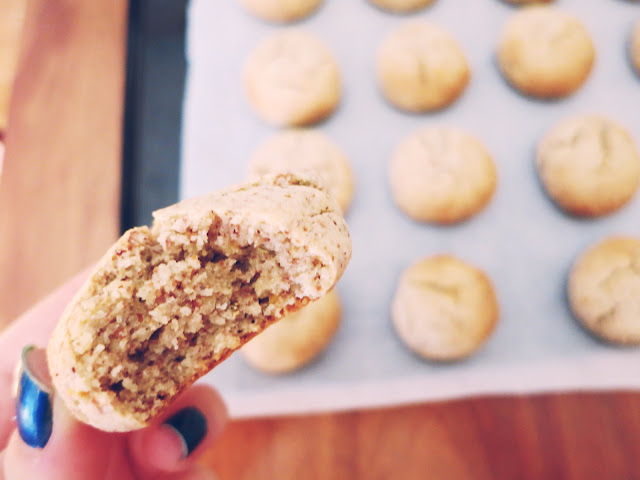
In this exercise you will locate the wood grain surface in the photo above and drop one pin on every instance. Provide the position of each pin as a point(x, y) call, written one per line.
point(59, 211)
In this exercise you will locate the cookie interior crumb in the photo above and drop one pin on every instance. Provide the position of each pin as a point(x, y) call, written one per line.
point(190, 292)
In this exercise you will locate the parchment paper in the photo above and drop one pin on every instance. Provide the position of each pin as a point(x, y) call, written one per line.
point(521, 240)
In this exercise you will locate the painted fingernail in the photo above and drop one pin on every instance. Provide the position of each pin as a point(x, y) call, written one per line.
point(33, 405)
point(191, 425)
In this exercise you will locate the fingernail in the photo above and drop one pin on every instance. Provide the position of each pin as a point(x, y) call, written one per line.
point(33, 405)
point(191, 425)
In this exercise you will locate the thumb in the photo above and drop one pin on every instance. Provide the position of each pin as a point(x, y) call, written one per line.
point(74, 450)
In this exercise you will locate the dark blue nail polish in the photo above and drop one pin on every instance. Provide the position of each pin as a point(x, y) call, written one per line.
point(33, 407)
point(191, 425)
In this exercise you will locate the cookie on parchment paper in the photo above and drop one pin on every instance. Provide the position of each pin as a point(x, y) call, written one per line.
point(420, 67)
point(292, 79)
point(545, 52)
point(442, 175)
point(297, 339)
point(306, 150)
point(604, 290)
point(281, 10)
point(444, 309)
point(589, 165)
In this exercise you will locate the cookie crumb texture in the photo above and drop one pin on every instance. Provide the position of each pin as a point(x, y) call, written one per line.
point(589, 165)
point(545, 52)
point(604, 290)
point(167, 304)
point(444, 309)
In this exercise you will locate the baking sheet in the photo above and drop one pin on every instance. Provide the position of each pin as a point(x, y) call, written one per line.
point(521, 240)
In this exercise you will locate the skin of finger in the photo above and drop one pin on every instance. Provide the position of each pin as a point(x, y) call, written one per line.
point(75, 451)
point(33, 327)
point(196, 472)
point(158, 449)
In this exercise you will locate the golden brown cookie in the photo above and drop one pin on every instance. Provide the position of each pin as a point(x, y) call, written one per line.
point(442, 175)
point(306, 150)
point(281, 10)
point(545, 52)
point(604, 290)
point(401, 6)
point(444, 309)
point(420, 67)
point(167, 304)
point(634, 47)
point(296, 339)
point(292, 79)
point(589, 165)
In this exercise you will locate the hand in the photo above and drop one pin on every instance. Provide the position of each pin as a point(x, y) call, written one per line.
point(165, 450)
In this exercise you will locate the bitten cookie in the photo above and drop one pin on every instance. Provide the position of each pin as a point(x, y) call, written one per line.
point(306, 150)
point(167, 304)
point(292, 79)
point(588, 165)
point(604, 290)
point(545, 52)
point(296, 339)
point(444, 309)
point(634, 47)
point(281, 10)
point(420, 67)
point(401, 6)
point(442, 175)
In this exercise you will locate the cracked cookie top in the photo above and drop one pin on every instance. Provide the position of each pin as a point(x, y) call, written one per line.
point(589, 165)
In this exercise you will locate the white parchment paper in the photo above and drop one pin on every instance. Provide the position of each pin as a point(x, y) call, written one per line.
point(521, 240)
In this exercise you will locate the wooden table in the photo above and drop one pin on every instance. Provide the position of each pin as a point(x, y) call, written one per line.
point(59, 211)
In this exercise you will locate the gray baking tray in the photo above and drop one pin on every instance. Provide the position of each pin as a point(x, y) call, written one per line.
point(521, 240)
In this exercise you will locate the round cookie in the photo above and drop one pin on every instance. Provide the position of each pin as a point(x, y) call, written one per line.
point(588, 165)
point(297, 339)
point(401, 6)
point(420, 67)
point(281, 10)
point(634, 50)
point(604, 290)
point(300, 150)
point(292, 79)
point(444, 309)
point(545, 52)
point(442, 175)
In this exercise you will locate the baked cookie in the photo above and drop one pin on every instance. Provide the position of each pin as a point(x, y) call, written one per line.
point(634, 47)
point(420, 67)
point(292, 79)
point(545, 52)
point(296, 339)
point(604, 290)
point(444, 309)
point(281, 10)
point(588, 165)
point(306, 150)
point(527, 2)
point(401, 6)
point(167, 304)
point(442, 175)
